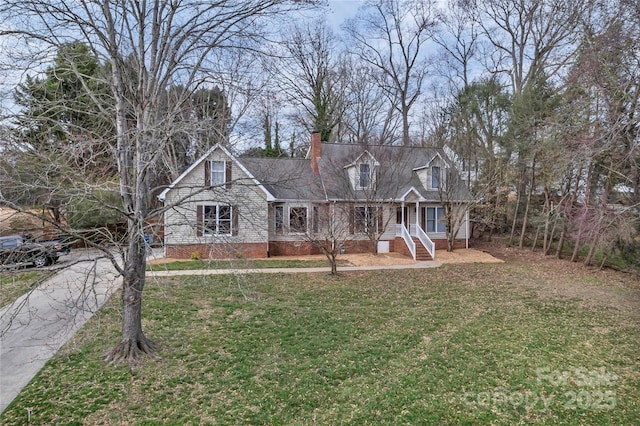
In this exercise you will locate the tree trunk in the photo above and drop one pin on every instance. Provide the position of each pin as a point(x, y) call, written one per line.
point(547, 219)
point(592, 251)
point(548, 243)
point(535, 240)
point(574, 255)
point(515, 212)
point(133, 343)
point(406, 140)
point(526, 209)
point(561, 243)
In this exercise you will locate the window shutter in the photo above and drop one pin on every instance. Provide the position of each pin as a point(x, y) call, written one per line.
point(352, 219)
point(379, 224)
point(207, 174)
point(234, 220)
point(227, 174)
point(199, 219)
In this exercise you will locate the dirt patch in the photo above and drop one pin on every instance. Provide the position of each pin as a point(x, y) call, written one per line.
point(381, 259)
point(384, 259)
point(466, 256)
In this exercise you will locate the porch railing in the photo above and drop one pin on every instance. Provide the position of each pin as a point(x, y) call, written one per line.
point(426, 242)
point(402, 231)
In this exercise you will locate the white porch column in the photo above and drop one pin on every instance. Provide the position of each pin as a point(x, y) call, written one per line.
point(466, 217)
point(402, 220)
point(417, 215)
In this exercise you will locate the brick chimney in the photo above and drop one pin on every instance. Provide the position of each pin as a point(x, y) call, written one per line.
point(316, 151)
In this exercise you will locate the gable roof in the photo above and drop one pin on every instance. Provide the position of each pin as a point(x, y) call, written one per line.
point(392, 182)
point(162, 196)
point(286, 179)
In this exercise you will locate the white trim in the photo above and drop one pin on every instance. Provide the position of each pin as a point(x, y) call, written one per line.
point(404, 196)
point(467, 228)
point(163, 194)
point(357, 160)
point(218, 221)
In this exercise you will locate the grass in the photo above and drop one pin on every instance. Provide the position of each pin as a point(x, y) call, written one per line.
point(462, 344)
point(241, 264)
point(14, 284)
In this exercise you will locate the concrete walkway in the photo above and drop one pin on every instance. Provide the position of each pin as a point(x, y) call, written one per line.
point(35, 326)
point(417, 265)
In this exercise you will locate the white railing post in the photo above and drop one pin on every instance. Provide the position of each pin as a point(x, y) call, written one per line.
point(426, 242)
point(404, 233)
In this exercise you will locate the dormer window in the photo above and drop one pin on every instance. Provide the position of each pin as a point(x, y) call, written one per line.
point(365, 175)
point(435, 177)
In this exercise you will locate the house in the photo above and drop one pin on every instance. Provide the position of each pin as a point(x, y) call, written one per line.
point(389, 197)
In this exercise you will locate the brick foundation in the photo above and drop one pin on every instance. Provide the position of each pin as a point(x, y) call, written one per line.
point(441, 244)
point(285, 248)
point(217, 251)
point(292, 248)
point(305, 248)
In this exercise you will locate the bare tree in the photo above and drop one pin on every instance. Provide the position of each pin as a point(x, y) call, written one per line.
point(312, 76)
point(459, 39)
point(369, 117)
point(456, 202)
point(149, 47)
point(527, 37)
point(329, 232)
point(390, 36)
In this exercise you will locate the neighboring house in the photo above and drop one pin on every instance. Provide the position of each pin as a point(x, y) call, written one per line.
point(224, 206)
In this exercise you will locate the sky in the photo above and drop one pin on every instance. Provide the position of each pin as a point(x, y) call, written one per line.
point(339, 10)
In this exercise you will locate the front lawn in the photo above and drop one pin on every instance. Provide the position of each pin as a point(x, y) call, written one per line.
point(514, 343)
point(14, 284)
point(240, 264)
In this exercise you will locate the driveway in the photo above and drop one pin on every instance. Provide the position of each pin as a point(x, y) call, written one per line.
point(35, 326)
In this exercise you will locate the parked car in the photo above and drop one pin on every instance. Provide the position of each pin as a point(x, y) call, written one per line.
point(62, 245)
point(16, 251)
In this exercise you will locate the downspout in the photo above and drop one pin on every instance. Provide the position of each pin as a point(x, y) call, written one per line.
point(467, 226)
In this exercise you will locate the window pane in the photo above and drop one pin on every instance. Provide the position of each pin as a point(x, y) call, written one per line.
point(360, 219)
point(224, 212)
point(441, 226)
point(316, 219)
point(217, 173)
point(217, 220)
point(279, 218)
point(431, 219)
point(298, 219)
point(365, 175)
point(210, 216)
point(435, 177)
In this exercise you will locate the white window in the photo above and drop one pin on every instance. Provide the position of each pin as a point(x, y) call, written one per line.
point(366, 219)
point(279, 219)
point(218, 173)
point(315, 220)
point(365, 175)
point(298, 219)
point(217, 220)
point(435, 177)
point(434, 220)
